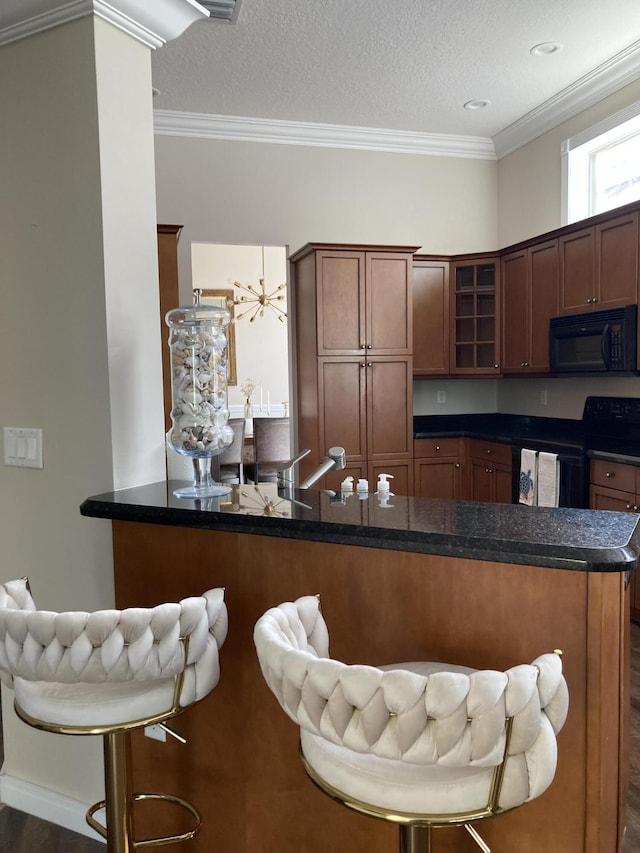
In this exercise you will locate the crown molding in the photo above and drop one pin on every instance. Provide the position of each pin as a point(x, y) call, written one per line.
point(619, 71)
point(153, 24)
point(243, 129)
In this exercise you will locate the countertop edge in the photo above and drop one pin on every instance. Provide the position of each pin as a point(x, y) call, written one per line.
point(609, 559)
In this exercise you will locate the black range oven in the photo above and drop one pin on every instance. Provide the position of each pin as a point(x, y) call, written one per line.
point(574, 470)
point(610, 425)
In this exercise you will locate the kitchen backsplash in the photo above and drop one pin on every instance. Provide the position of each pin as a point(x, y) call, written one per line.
point(557, 397)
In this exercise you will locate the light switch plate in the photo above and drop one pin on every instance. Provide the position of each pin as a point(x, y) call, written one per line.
point(23, 447)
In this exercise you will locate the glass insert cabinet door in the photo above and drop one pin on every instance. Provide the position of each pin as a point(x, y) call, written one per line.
point(475, 301)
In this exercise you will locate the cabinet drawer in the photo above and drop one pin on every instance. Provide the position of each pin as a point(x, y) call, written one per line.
point(493, 451)
point(615, 475)
point(430, 448)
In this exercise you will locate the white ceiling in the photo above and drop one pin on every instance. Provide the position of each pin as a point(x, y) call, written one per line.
point(404, 65)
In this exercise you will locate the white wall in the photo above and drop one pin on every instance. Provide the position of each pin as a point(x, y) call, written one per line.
point(529, 185)
point(253, 193)
point(77, 251)
point(262, 345)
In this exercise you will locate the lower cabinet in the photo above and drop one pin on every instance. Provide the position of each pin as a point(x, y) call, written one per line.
point(616, 486)
point(489, 471)
point(437, 468)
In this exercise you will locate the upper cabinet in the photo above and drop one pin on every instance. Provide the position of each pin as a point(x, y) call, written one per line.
point(475, 315)
point(363, 301)
point(599, 265)
point(529, 299)
point(430, 317)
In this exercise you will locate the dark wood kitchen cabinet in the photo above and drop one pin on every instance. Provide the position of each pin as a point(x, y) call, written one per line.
point(168, 236)
point(489, 471)
point(615, 486)
point(475, 315)
point(354, 365)
point(529, 282)
point(363, 301)
point(438, 468)
point(430, 317)
point(362, 406)
point(599, 265)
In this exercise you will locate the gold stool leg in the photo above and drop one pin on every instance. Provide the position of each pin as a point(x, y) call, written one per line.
point(482, 844)
point(118, 800)
point(415, 838)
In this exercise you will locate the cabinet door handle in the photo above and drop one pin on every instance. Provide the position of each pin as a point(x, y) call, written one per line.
point(610, 474)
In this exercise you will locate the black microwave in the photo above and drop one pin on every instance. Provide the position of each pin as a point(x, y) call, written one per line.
point(594, 342)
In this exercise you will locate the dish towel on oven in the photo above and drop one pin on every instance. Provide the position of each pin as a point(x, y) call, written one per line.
point(528, 477)
point(548, 479)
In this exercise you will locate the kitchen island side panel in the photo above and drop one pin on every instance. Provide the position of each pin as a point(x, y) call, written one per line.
point(240, 766)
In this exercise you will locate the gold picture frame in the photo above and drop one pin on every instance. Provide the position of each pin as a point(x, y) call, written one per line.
point(224, 299)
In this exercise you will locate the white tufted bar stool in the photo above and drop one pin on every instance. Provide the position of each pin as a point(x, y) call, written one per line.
point(107, 673)
point(420, 744)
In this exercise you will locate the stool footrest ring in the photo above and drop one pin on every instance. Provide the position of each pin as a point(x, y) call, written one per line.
point(151, 842)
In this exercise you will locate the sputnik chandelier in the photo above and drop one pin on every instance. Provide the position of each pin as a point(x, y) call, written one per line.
point(258, 301)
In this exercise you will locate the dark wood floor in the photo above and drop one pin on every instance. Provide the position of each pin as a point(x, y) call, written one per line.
point(20, 833)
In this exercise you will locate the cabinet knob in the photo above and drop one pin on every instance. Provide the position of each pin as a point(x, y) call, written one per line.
point(369, 346)
point(489, 451)
point(635, 508)
point(437, 447)
point(489, 470)
point(369, 364)
point(363, 346)
point(610, 474)
point(629, 506)
point(363, 364)
point(457, 464)
point(497, 366)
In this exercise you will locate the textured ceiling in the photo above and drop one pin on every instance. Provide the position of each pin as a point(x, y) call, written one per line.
point(406, 65)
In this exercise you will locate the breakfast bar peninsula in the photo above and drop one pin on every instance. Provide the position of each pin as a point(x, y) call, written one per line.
point(484, 585)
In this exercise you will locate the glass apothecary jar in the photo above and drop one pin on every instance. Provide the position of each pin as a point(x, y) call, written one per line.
point(199, 410)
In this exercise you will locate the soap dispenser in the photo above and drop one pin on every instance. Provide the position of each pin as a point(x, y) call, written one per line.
point(383, 484)
point(362, 489)
point(347, 485)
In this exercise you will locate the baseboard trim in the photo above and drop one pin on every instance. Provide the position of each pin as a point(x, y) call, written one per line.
point(46, 805)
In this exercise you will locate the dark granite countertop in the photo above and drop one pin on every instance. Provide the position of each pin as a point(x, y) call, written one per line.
point(581, 540)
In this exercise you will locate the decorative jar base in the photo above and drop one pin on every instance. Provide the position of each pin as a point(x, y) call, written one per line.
point(194, 492)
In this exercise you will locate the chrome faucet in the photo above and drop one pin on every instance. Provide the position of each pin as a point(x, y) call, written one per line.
point(337, 459)
point(285, 474)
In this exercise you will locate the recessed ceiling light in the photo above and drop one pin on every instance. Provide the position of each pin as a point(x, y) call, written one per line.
point(546, 48)
point(477, 104)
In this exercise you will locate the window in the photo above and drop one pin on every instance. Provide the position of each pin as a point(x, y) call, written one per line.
point(601, 166)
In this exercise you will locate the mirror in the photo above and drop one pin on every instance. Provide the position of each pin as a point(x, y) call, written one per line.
point(224, 299)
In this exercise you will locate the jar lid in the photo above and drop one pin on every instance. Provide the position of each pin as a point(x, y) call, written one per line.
point(193, 315)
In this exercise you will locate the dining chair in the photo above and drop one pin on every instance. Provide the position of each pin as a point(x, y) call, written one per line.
point(272, 447)
point(231, 461)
